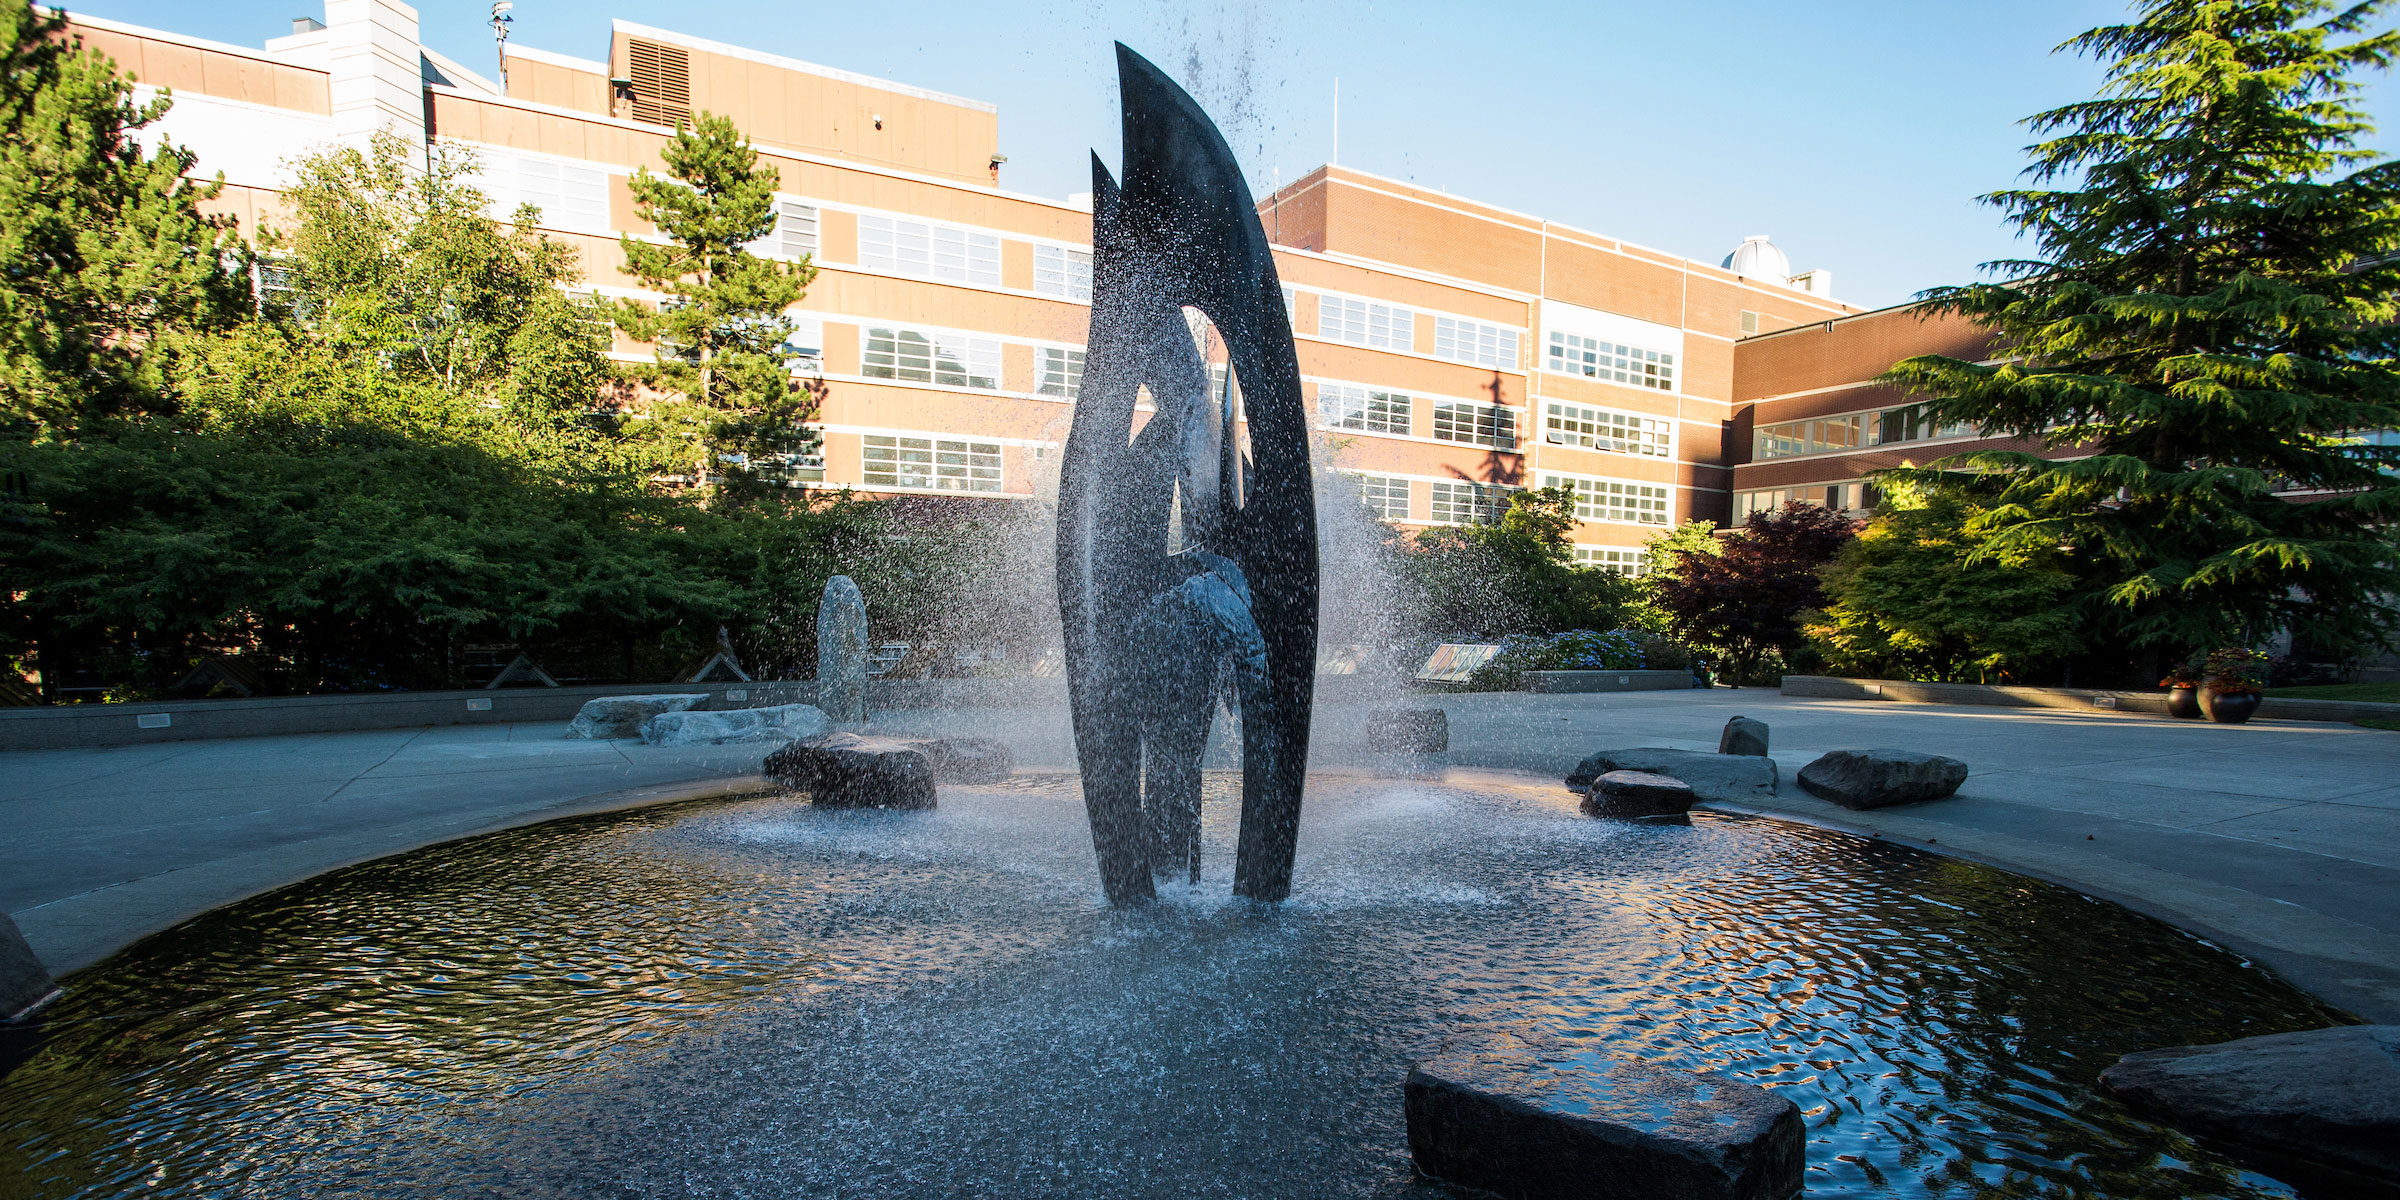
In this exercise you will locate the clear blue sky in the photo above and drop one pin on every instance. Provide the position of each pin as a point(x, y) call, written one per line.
point(1856, 132)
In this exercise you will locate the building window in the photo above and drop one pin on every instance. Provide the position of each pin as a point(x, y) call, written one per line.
point(1834, 435)
point(794, 235)
point(1386, 495)
point(804, 349)
point(940, 252)
point(1291, 307)
point(890, 460)
point(1349, 406)
point(1361, 323)
point(1475, 424)
point(1470, 503)
point(1840, 497)
point(1462, 340)
point(275, 288)
point(572, 198)
point(1612, 559)
point(1062, 372)
point(1596, 358)
point(1601, 429)
point(920, 357)
point(1614, 499)
point(1058, 271)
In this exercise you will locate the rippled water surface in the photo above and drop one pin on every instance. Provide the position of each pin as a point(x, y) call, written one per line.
point(758, 999)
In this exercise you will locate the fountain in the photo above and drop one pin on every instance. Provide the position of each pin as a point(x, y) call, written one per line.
point(1153, 637)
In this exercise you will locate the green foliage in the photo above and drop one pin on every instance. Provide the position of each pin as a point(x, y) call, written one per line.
point(400, 263)
point(2235, 670)
point(1485, 582)
point(1574, 650)
point(720, 340)
point(104, 252)
point(1916, 596)
point(2208, 318)
point(1742, 602)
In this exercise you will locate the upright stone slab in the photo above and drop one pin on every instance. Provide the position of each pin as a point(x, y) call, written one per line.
point(1743, 736)
point(24, 982)
point(842, 652)
point(1559, 1126)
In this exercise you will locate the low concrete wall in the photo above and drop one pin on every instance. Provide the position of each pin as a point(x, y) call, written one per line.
point(2286, 708)
point(69, 726)
point(1557, 682)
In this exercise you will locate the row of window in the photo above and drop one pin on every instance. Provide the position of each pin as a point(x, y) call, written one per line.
point(1595, 358)
point(958, 465)
point(1373, 410)
point(1588, 428)
point(1612, 559)
point(1382, 326)
point(1465, 502)
point(1854, 496)
point(1826, 435)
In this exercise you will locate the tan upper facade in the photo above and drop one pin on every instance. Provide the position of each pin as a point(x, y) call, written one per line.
point(1453, 350)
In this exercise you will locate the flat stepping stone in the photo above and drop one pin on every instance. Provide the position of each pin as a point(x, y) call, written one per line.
point(1637, 794)
point(1584, 1125)
point(1734, 777)
point(845, 770)
point(610, 717)
point(779, 723)
point(2328, 1099)
point(1881, 778)
point(25, 984)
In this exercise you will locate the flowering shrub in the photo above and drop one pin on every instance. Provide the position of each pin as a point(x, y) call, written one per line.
point(2234, 671)
point(2183, 674)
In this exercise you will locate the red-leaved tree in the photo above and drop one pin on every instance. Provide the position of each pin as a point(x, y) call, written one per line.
point(1745, 600)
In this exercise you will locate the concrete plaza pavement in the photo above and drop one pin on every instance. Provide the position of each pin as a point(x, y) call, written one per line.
point(2279, 839)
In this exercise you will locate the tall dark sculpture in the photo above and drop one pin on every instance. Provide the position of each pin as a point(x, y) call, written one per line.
point(1154, 639)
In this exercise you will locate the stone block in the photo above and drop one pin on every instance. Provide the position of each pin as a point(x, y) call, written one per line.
point(781, 723)
point(1743, 735)
point(1408, 730)
point(1734, 777)
point(2327, 1100)
point(1880, 778)
point(1637, 794)
point(1584, 1125)
point(842, 651)
point(25, 984)
point(845, 770)
point(622, 716)
point(964, 759)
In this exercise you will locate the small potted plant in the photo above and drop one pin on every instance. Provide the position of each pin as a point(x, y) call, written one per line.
point(2231, 682)
point(2183, 689)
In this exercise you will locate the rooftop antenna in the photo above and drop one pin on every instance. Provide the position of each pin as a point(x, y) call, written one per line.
point(500, 23)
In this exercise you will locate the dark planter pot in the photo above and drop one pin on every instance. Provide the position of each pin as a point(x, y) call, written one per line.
point(2183, 701)
point(2228, 709)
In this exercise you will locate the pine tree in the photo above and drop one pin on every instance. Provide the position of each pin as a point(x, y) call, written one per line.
point(2203, 332)
point(104, 250)
point(721, 336)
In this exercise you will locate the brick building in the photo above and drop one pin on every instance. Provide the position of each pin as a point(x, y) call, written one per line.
point(1454, 350)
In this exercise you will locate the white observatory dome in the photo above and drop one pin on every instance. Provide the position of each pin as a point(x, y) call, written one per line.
point(1758, 258)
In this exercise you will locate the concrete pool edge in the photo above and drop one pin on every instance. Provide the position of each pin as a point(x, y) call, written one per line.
point(2349, 967)
point(78, 932)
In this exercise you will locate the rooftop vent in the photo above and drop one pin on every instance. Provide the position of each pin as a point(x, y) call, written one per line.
point(662, 82)
point(302, 25)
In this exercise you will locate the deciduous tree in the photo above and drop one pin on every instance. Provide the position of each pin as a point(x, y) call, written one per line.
point(1744, 602)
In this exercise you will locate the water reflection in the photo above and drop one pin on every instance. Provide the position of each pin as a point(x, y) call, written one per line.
point(759, 999)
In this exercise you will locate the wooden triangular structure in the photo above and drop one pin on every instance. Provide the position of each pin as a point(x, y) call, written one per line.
point(719, 667)
point(16, 693)
point(216, 674)
point(521, 669)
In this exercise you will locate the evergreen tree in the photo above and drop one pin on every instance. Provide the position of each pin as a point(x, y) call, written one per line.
point(721, 336)
point(1912, 598)
point(2206, 321)
point(104, 250)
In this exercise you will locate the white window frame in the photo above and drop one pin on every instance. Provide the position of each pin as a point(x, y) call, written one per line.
point(1363, 409)
point(1602, 500)
point(940, 463)
point(1608, 430)
point(1058, 371)
point(1370, 323)
point(1632, 562)
point(804, 350)
point(928, 250)
point(1463, 339)
point(1485, 502)
point(1064, 272)
point(1387, 496)
point(572, 195)
point(974, 355)
point(1492, 426)
point(797, 232)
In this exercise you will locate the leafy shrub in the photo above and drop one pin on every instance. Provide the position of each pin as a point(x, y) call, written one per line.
point(1574, 650)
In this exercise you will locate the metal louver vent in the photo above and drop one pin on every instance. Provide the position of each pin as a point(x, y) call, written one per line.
point(662, 82)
